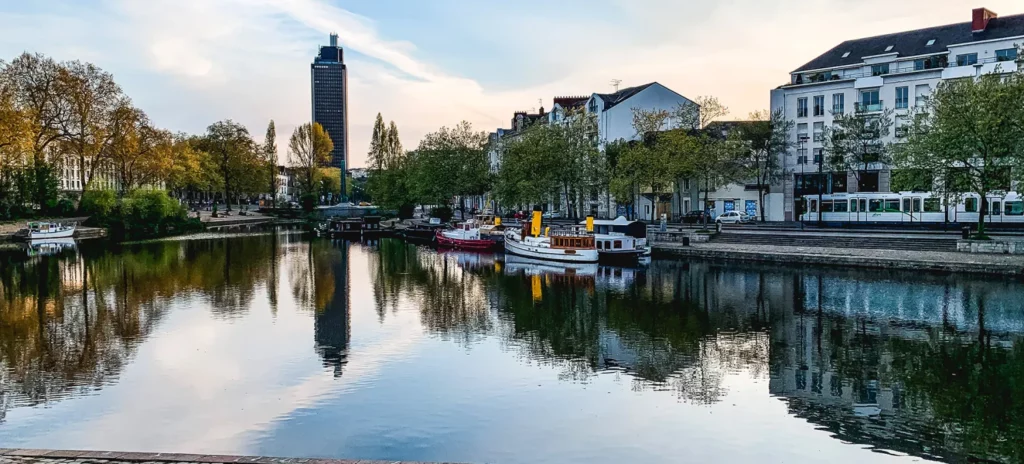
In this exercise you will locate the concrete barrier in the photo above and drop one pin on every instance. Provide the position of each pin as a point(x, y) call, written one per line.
point(1002, 247)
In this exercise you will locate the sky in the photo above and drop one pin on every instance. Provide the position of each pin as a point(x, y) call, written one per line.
point(431, 63)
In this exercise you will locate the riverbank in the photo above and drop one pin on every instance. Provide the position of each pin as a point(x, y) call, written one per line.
point(989, 264)
point(34, 456)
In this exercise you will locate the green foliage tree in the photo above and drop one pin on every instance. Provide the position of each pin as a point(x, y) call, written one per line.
point(451, 164)
point(974, 127)
point(233, 152)
point(768, 136)
point(378, 145)
point(310, 148)
point(270, 158)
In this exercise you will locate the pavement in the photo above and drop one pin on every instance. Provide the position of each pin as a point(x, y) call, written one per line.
point(979, 263)
point(30, 456)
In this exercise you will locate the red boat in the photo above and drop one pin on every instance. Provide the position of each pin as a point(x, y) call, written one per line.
point(465, 237)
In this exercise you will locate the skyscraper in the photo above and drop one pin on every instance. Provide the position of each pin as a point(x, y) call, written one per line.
point(329, 79)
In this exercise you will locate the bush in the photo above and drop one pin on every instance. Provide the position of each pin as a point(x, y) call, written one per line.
point(308, 202)
point(142, 214)
point(443, 213)
point(99, 205)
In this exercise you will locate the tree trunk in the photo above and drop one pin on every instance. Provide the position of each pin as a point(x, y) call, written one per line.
point(761, 192)
point(982, 211)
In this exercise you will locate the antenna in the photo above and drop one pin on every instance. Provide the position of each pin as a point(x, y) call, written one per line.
point(615, 83)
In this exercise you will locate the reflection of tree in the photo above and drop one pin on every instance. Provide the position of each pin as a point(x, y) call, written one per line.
point(70, 323)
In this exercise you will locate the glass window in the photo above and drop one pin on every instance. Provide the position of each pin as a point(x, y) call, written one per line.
point(814, 206)
point(819, 105)
point(892, 205)
point(875, 206)
point(818, 152)
point(1014, 208)
point(932, 205)
point(902, 97)
point(917, 205)
point(971, 205)
point(801, 107)
point(967, 59)
point(995, 209)
point(906, 204)
point(819, 131)
point(879, 69)
point(869, 101)
point(826, 206)
point(618, 244)
point(863, 205)
point(841, 206)
point(853, 206)
point(1008, 54)
point(838, 103)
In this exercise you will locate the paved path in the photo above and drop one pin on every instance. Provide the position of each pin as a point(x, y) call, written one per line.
point(1012, 265)
point(29, 456)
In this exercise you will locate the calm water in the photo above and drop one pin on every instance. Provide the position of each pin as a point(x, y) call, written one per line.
point(281, 345)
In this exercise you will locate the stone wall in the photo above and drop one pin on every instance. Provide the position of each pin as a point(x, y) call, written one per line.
point(677, 237)
point(991, 246)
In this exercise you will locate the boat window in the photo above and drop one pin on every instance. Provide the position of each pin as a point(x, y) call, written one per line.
point(971, 205)
point(875, 206)
point(841, 206)
point(917, 205)
point(892, 205)
point(618, 244)
point(996, 207)
point(1014, 208)
point(932, 205)
point(826, 206)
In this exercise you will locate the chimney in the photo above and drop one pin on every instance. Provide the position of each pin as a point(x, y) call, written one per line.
point(980, 18)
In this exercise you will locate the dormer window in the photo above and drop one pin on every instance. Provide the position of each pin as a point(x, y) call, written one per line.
point(846, 55)
point(889, 48)
point(593, 105)
point(930, 43)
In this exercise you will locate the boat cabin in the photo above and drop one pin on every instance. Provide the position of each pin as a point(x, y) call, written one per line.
point(571, 240)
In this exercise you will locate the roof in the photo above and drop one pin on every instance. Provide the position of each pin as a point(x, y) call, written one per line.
point(914, 43)
point(612, 99)
point(571, 102)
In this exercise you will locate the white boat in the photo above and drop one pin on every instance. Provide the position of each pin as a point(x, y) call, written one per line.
point(50, 246)
point(45, 230)
point(566, 245)
point(621, 238)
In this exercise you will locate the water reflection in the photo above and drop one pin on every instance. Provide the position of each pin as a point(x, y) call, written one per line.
point(925, 365)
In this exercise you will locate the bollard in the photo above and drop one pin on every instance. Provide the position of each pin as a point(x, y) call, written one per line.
point(718, 227)
point(965, 232)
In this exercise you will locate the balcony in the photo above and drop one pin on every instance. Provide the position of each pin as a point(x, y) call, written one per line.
point(870, 107)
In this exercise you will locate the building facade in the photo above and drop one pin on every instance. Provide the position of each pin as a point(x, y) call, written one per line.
point(872, 75)
point(329, 83)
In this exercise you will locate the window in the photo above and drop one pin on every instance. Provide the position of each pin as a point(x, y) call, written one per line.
point(593, 105)
point(1009, 54)
point(875, 206)
point(971, 205)
point(814, 206)
point(819, 105)
point(818, 155)
point(819, 131)
point(902, 97)
point(618, 244)
point(892, 205)
point(801, 132)
point(879, 69)
point(869, 101)
point(995, 209)
point(889, 48)
point(922, 91)
point(853, 206)
point(968, 59)
point(1014, 208)
point(840, 206)
point(801, 107)
point(863, 205)
point(846, 55)
point(838, 103)
point(930, 43)
point(826, 206)
point(932, 205)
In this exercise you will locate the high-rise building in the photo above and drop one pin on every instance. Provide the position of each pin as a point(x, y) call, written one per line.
point(329, 81)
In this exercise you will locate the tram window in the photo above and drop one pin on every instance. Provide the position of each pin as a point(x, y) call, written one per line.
point(906, 205)
point(917, 205)
point(853, 206)
point(996, 208)
point(863, 205)
point(841, 206)
point(1014, 208)
point(971, 205)
point(814, 206)
point(932, 205)
point(875, 206)
point(892, 206)
point(826, 206)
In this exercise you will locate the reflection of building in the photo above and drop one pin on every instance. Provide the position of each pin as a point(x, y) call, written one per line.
point(331, 323)
point(330, 100)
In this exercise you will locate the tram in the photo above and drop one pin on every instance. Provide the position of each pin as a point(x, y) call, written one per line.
point(912, 207)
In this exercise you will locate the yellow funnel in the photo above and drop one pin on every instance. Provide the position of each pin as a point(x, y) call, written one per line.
point(535, 224)
point(590, 223)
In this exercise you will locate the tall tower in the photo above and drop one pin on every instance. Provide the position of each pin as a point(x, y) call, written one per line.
point(329, 81)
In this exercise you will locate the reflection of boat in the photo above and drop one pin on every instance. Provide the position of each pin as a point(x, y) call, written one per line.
point(562, 245)
point(465, 237)
point(44, 230)
point(470, 259)
point(530, 266)
point(50, 246)
point(618, 278)
point(621, 238)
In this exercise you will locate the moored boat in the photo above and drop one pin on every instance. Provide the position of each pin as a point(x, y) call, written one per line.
point(558, 245)
point(47, 230)
point(620, 239)
point(465, 237)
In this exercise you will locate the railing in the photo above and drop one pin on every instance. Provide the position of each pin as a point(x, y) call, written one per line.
point(894, 68)
point(869, 107)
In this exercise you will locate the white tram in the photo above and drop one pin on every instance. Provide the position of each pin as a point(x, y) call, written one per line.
point(912, 207)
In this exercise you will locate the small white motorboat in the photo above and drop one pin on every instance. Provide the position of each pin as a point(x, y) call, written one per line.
point(46, 230)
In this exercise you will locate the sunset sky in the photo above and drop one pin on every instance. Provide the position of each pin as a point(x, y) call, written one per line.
point(428, 63)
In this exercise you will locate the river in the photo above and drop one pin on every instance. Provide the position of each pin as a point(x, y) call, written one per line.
point(278, 344)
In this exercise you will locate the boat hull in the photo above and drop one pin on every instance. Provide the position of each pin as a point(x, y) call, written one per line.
point(464, 244)
point(553, 254)
point(67, 233)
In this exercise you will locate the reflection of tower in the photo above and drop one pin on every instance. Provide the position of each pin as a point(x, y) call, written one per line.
point(331, 324)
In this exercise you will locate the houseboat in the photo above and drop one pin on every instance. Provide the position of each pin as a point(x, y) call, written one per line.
point(569, 245)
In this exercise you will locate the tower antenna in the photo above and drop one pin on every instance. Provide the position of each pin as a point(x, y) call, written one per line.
point(615, 83)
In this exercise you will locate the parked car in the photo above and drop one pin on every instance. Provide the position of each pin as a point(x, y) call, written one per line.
point(552, 215)
point(696, 217)
point(734, 217)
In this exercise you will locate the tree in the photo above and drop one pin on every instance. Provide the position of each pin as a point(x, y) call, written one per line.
point(974, 127)
point(270, 155)
point(232, 151)
point(768, 136)
point(89, 97)
point(450, 163)
point(34, 78)
point(698, 114)
point(854, 143)
point(310, 148)
point(528, 173)
point(378, 145)
point(649, 161)
point(392, 146)
point(138, 152)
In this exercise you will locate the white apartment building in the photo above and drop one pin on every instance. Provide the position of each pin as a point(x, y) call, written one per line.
point(69, 176)
point(869, 75)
